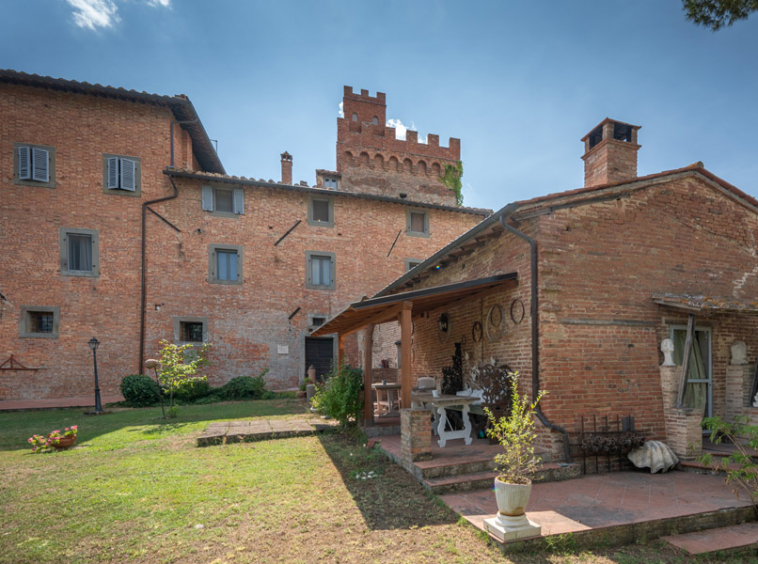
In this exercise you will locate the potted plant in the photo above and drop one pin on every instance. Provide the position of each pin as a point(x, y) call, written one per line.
point(57, 439)
point(515, 465)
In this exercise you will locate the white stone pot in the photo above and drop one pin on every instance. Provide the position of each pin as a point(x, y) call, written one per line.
point(512, 498)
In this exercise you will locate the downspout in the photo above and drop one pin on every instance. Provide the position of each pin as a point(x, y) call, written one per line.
point(534, 312)
point(144, 271)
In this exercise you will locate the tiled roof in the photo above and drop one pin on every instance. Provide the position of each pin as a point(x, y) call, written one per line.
point(180, 105)
point(707, 304)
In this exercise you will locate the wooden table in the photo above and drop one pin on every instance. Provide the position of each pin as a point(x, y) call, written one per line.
point(438, 406)
point(390, 389)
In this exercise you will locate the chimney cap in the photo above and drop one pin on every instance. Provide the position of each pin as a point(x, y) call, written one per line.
point(286, 156)
point(613, 121)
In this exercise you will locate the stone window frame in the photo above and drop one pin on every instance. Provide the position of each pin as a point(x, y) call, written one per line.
point(408, 261)
point(308, 256)
point(312, 316)
point(238, 208)
point(63, 244)
point(179, 320)
point(24, 326)
point(51, 166)
point(408, 231)
point(330, 201)
point(137, 176)
point(213, 248)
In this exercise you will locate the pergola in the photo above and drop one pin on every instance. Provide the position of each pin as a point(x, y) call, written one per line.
point(403, 307)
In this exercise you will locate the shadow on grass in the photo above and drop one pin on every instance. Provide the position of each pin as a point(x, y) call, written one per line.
point(16, 427)
point(390, 500)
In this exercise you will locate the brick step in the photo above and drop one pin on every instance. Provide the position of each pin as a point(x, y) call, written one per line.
point(727, 539)
point(549, 472)
point(468, 465)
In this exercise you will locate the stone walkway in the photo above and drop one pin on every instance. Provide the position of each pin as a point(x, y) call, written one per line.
point(227, 432)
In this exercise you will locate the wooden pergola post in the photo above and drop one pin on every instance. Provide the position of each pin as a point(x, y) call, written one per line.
point(340, 350)
point(368, 403)
point(406, 367)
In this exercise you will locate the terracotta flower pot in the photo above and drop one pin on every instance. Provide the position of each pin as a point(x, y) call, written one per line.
point(512, 498)
point(63, 443)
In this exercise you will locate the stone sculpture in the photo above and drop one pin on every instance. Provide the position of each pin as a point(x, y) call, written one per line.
point(667, 348)
point(655, 455)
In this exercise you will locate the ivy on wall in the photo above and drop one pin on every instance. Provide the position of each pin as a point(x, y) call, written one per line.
point(452, 179)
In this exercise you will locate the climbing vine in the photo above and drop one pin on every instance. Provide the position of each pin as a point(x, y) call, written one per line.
point(452, 179)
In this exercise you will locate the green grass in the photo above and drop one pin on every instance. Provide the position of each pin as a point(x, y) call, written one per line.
point(136, 489)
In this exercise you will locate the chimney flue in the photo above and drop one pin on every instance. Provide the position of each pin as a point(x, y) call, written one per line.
point(610, 153)
point(286, 168)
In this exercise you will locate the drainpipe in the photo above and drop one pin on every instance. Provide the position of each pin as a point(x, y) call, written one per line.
point(534, 312)
point(144, 271)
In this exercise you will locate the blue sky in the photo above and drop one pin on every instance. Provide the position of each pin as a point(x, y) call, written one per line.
point(518, 82)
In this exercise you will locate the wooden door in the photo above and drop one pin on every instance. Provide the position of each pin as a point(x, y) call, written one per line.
point(319, 352)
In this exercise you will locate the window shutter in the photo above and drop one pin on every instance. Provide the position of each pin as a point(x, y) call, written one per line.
point(112, 173)
point(128, 175)
point(239, 200)
point(24, 168)
point(207, 198)
point(40, 165)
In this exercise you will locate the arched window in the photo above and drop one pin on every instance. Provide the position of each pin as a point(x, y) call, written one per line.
point(394, 164)
point(436, 170)
point(379, 162)
point(421, 167)
point(407, 165)
point(354, 117)
point(349, 158)
point(375, 120)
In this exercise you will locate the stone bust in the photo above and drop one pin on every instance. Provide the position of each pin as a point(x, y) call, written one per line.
point(739, 354)
point(667, 348)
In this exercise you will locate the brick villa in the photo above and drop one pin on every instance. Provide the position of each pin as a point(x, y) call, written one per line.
point(120, 222)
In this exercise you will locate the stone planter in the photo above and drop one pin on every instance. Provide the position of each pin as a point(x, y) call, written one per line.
point(511, 523)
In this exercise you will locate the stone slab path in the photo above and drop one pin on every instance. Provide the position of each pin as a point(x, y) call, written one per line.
point(226, 432)
point(724, 539)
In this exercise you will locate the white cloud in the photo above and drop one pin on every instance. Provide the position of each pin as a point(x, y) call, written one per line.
point(92, 14)
point(341, 113)
point(401, 129)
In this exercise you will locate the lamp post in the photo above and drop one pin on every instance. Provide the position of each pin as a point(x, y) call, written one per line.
point(93, 344)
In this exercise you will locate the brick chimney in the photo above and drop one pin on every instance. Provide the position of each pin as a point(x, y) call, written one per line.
point(610, 153)
point(286, 168)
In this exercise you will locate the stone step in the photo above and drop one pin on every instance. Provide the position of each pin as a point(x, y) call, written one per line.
point(469, 465)
point(550, 472)
point(725, 539)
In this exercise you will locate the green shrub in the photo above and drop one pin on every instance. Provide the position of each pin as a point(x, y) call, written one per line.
point(140, 391)
point(244, 387)
point(192, 390)
point(340, 397)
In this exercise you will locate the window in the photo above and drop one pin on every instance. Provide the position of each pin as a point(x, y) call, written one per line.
point(410, 264)
point(225, 264)
point(190, 329)
point(122, 175)
point(34, 165)
point(417, 223)
point(331, 182)
point(39, 322)
point(317, 320)
point(79, 252)
point(228, 202)
point(321, 211)
point(375, 120)
point(320, 270)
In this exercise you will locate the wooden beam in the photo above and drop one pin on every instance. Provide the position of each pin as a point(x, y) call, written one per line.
point(686, 361)
point(340, 350)
point(368, 400)
point(406, 366)
point(389, 314)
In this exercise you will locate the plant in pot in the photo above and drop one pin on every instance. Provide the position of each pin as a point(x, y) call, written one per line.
point(516, 465)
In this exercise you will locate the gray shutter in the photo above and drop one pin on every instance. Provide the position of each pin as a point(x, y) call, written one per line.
point(239, 200)
point(207, 198)
point(24, 164)
point(40, 165)
point(112, 173)
point(128, 175)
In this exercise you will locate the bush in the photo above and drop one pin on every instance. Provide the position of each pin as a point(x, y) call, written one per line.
point(244, 387)
point(339, 397)
point(140, 391)
point(192, 390)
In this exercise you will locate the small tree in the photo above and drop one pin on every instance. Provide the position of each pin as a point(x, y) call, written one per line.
point(740, 468)
point(339, 397)
point(515, 432)
point(179, 364)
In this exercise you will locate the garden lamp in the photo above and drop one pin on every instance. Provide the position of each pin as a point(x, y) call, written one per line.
point(93, 344)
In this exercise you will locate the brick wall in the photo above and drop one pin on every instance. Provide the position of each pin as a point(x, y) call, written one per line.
point(246, 323)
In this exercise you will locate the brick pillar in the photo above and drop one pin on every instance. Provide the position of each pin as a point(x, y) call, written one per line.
point(684, 432)
point(415, 435)
point(738, 382)
point(670, 376)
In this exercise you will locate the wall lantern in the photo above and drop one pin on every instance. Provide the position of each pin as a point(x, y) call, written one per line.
point(442, 323)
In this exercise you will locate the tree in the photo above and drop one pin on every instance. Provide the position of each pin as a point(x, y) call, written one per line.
point(179, 366)
point(715, 14)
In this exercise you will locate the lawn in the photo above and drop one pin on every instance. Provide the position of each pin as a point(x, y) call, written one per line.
point(136, 489)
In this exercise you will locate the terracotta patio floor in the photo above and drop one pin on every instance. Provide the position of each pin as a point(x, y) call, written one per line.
point(608, 500)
